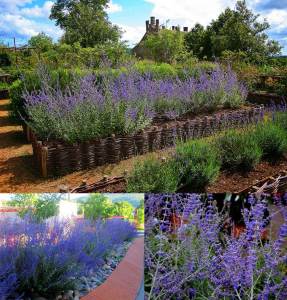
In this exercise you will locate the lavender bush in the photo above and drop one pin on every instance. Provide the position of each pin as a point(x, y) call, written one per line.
point(48, 257)
point(188, 255)
point(124, 104)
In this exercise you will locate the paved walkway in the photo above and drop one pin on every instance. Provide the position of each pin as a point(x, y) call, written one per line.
point(126, 281)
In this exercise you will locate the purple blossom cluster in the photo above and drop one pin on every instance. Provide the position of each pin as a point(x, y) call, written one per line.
point(92, 108)
point(48, 257)
point(189, 255)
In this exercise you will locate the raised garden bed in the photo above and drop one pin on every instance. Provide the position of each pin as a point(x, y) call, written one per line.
point(56, 158)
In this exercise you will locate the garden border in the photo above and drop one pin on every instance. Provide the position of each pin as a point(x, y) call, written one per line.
point(125, 281)
point(56, 158)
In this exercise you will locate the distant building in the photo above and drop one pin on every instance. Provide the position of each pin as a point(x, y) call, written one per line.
point(152, 27)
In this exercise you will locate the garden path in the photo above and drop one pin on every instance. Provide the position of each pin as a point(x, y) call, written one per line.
point(126, 280)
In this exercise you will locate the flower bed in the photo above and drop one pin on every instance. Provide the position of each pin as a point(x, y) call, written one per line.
point(58, 158)
point(192, 250)
point(48, 258)
point(196, 164)
point(87, 109)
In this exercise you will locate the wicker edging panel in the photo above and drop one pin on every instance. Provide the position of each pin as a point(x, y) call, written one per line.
point(97, 186)
point(265, 98)
point(56, 158)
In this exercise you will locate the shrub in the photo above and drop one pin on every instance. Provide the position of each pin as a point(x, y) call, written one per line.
point(153, 176)
point(198, 164)
point(272, 140)
point(95, 108)
point(238, 151)
point(47, 258)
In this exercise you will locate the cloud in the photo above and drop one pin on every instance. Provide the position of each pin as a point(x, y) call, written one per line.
point(132, 34)
point(21, 27)
point(37, 11)
point(189, 12)
point(113, 8)
point(12, 5)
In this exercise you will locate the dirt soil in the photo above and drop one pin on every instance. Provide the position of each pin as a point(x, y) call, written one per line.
point(236, 182)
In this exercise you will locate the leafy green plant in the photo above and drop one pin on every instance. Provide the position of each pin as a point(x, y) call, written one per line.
point(4, 86)
point(272, 140)
point(238, 151)
point(153, 175)
point(198, 163)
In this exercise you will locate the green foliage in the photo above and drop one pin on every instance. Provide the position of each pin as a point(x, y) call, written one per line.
point(238, 151)
point(41, 42)
point(98, 206)
point(165, 46)
point(272, 140)
point(124, 209)
point(4, 86)
point(30, 81)
point(153, 176)
point(238, 31)
point(85, 22)
point(5, 59)
point(140, 212)
point(39, 206)
point(198, 162)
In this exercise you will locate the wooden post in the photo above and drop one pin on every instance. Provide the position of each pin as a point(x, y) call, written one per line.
point(44, 157)
point(15, 50)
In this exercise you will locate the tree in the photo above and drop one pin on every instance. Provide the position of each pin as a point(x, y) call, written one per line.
point(237, 30)
point(141, 212)
point(98, 206)
point(39, 206)
point(41, 42)
point(196, 41)
point(124, 209)
point(166, 45)
point(85, 21)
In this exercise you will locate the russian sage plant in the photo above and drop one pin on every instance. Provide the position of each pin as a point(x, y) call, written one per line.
point(49, 257)
point(188, 255)
point(90, 108)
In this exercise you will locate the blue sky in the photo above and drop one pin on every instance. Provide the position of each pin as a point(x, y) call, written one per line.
point(24, 18)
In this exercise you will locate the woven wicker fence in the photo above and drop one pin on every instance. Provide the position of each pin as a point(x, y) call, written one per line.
point(55, 158)
point(265, 98)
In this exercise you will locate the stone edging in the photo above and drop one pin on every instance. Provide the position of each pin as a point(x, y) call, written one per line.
point(125, 281)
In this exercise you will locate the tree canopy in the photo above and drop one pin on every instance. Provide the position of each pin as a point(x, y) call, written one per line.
point(98, 206)
point(237, 30)
point(38, 206)
point(166, 45)
point(85, 21)
point(41, 42)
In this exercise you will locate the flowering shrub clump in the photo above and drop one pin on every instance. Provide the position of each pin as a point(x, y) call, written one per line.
point(48, 257)
point(92, 108)
point(188, 255)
